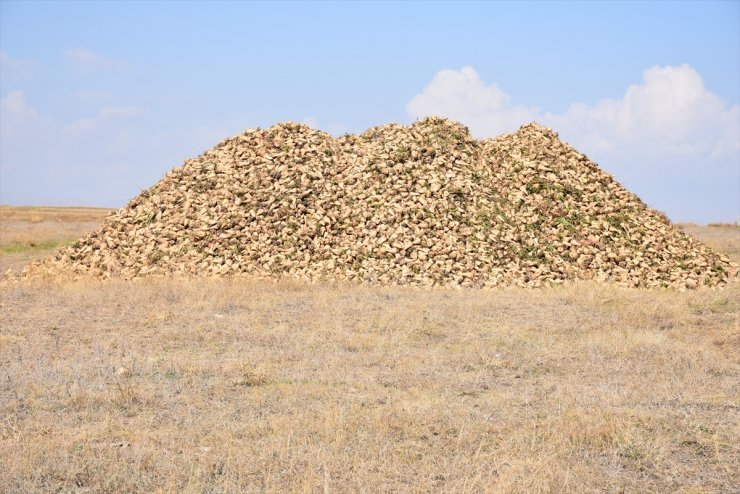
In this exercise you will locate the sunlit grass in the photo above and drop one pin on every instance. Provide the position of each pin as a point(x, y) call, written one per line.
point(193, 385)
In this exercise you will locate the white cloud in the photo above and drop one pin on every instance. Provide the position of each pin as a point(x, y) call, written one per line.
point(14, 107)
point(16, 69)
point(86, 125)
point(335, 129)
point(311, 122)
point(670, 112)
point(462, 95)
point(119, 112)
point(103, 159)
point(81, 126)
point(82, 58)
point(667, 131)
point(94, 97)
point(17, 119)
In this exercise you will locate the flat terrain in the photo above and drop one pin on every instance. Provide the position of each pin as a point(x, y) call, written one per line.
point(228, 386)
point(28, 233)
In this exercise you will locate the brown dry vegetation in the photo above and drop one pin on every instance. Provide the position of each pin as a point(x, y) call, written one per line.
point(28, 233)
point(232, 386)
point(723, 237)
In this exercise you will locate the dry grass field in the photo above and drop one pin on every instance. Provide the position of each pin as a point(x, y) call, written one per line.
point(28, 233)
point(234, 386)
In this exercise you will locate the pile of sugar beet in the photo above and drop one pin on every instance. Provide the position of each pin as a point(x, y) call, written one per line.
point(423, 204)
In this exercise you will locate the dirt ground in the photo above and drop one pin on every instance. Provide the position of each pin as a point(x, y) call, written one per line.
point(236, 386)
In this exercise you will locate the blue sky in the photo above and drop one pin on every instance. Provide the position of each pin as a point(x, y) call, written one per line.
point(99, 100)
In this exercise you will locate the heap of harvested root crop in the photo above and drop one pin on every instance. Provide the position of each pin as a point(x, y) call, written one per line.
point(423, 204)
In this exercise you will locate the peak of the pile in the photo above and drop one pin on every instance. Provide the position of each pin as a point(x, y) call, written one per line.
point(421, 204)
point(438, 124)
point(538, 128)
point(435, 124)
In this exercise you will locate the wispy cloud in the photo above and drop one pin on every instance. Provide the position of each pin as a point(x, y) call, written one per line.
point(82, 58)
point(16, 69)
point(15, 107)
point(81, 127)
point(94, 97)
point(311, 122)
point(109, 112)
point(89, 124)
point(19, 118)
point(335, 129)
point(104, 158)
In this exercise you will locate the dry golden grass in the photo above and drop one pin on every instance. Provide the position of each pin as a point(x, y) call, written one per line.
point(233, 386)
point(28, 233)
point(723, 237)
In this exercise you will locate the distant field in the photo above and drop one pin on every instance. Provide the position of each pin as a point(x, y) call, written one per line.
point(28, 233)
point(226, 386)
point(724, 238)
